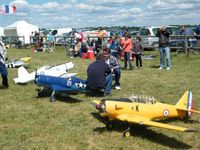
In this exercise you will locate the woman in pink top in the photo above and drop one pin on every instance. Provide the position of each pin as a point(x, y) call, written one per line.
point(127, 49)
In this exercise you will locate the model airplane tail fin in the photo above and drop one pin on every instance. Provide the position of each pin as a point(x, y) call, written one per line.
point(186, 104)
point(22, 72)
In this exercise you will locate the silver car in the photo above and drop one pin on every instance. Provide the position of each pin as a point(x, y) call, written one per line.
point(148, 35)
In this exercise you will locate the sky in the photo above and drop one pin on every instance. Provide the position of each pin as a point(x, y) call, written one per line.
point(93, 13)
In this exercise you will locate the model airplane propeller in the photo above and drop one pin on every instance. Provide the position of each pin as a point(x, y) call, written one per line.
point(146, 111)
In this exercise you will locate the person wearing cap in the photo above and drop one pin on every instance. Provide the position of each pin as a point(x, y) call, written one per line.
point(163, 42)
point(114, 66)
point(3, 69)
point(99, 76)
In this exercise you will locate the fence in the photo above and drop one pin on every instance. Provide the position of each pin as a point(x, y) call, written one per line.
point(14, 41)
point(185, 43)
point(182, 43)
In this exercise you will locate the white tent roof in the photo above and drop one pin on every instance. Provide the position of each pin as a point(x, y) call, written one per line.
point(1, 31)
point(21, 28)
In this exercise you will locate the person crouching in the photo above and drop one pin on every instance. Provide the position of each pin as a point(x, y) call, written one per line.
point(99, 75)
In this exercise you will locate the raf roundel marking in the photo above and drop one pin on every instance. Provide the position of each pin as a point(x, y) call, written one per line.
point(165, 113)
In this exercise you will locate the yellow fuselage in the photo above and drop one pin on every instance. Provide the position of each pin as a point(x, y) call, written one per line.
point(152, 111)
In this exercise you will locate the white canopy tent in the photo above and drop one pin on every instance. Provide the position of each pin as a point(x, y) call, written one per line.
point(1, 31)
point(21, 29)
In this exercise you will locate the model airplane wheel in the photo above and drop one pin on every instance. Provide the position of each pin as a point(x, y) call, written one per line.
point(40, 94)
point(109, 125)
point(127, 133)
point(52, 99)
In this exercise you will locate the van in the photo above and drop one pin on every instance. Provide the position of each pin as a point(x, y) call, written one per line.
point(148, 35)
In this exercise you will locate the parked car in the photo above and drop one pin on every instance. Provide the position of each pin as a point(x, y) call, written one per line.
point(134, 33)
point(148, 35)
point(179, 41)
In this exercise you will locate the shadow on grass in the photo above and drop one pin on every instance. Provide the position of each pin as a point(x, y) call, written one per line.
point(141, 131)
point(154, 66)
point(3, 88)
point(61, 96)
point(94, 94)
point(183, 120)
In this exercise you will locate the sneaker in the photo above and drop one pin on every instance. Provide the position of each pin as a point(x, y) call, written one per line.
point(160, 68)
point(117, 87)
point(168, 68)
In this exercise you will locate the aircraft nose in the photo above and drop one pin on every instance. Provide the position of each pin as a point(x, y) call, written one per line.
point(102, 106)
point(98, 107)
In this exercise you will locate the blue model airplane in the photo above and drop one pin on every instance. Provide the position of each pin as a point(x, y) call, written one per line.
point(60, 84)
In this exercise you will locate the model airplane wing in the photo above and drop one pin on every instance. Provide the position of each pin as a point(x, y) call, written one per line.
point(57, 71)
point(144, 121)
point(68, 75)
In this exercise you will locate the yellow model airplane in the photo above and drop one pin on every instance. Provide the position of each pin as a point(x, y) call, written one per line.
point(145, 111)
point(18, 62)
point(26, 59)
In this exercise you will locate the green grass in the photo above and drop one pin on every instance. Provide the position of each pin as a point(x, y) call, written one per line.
point(28, 122)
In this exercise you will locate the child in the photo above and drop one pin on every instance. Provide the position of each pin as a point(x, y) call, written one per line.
point(138, 52)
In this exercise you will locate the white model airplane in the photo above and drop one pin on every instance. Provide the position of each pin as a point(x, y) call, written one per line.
point(57, 71)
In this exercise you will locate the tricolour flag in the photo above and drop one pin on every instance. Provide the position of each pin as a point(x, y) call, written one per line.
point(10, 10)
point(2, 11)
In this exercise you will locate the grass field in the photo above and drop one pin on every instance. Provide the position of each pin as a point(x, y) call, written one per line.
point(28, 122)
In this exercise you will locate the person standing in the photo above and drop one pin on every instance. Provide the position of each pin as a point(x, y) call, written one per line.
point(99, 75)
point(50, 42)
point(197, 32)
point(3, 69)
point(127, 50)
point(100, 39)
point(163, 42)
point(138, 52)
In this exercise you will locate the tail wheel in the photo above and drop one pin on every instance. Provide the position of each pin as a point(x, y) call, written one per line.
point(109, 125)
point(127, 133)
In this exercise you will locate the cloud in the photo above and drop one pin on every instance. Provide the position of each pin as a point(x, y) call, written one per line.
point(107, 12)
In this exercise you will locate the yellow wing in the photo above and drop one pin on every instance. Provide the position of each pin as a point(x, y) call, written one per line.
point(145, 121)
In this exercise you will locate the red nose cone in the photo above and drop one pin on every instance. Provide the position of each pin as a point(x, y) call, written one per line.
point(97, 107)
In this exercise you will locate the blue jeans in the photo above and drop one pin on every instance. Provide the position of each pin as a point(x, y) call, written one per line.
point(127, 59)
point(3, 69)
point(117, 74)
point(4, 73)
point(108, 84)
point(164, 51)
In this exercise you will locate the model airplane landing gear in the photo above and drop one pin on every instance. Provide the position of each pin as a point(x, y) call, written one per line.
point(41, 93)
point(127, 132)
point(109, 125)
point(52, 98)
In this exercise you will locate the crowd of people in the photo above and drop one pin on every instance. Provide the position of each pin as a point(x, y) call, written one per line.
point(106, 68)
point(43, 42)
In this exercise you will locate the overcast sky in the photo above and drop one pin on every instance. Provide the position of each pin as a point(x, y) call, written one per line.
point(87, 13)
